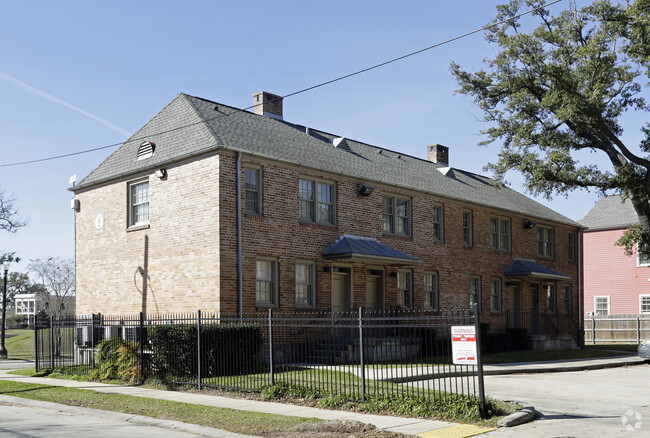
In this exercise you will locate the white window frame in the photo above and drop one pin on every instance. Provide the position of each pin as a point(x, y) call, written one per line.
point(496, 296)
point(551, 298)
point(641, 304)
point(468, 231)
point(431, 291)
point(310, 204)
point(138, 207)
point(501, 235)
point(309, 284)
point(256, 191)
point(545, 242)
point(272, 282)
point(475, 292)
point(640, 261)
point(608, 302)
point(438, 217)
point(396, 220)
point(405, 289)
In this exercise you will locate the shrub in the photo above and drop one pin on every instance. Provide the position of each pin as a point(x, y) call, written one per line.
point(16, 321)
point(117, 359)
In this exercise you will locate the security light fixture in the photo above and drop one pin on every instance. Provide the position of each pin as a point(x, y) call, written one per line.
point(364, 190)
point(161, 173)
point(530, 224)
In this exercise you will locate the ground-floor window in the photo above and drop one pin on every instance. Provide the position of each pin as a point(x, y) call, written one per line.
point(566, 299)
point(601, 305)
point(266, 282)
point(404, 289)
point(475, 292)
point(644, 303)
point(305, 296)
point(431, 291)
point(550, 298)
point(495, 295)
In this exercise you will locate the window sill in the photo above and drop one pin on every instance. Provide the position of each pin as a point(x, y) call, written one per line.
point(315, 224)
point(254, 216)
point(305, 307)
point(138, 227)
point(266, 305)
point(398, 236)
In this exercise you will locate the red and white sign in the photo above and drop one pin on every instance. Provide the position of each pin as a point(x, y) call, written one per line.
point(463, 345)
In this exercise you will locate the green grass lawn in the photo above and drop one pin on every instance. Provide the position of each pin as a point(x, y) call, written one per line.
point(20, 344)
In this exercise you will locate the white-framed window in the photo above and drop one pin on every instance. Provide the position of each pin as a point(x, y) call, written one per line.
point(431, 294)
point(404, 289)
point(317, 201)
point(475, 292)
point(601, 305)
point(644, 304)
point(572, 246)
point(139, 203)
point(545, 246)
point(396, 215)
point(438, 223)
point(641, 260)
point(467, 228)
point(566, 298)
point(305, 284)
point(253, 190)
point(495, 295)
point(551, 299)
point(266, 282)
point(500, 233)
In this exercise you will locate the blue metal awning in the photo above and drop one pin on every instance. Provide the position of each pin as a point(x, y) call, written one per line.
point(530, 268)
point(367, 250)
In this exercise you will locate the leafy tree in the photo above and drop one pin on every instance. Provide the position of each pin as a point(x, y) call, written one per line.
point(562, 87)
point(20, 283)
point(9, 219)
point(56, 277)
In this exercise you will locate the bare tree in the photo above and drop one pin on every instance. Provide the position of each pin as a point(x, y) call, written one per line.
point(9, 219)
point(57, 277)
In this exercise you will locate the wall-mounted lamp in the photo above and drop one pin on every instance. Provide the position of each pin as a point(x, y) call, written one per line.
point(75, 204)
point(529, 224)
point(161, 173)
point(364, 190)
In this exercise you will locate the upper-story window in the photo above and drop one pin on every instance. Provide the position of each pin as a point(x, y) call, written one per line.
point(467, 228)
point(253, 190)
point(572, 246)
point(317, 201)
point(545, 247)
point(438, 223)
point(139, 203)
point(500, 233)
point(641, 259)
point(396, 215)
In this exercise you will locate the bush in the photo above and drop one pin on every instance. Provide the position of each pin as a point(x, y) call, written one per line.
point(226, 350)
point(16, 321)
point(519, 338)
point(117, 360)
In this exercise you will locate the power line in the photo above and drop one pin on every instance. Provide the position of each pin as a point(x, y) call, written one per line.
point(304, 90)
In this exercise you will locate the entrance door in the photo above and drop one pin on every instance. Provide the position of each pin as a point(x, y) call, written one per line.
point(534, 309)
point(341, 289)
point(374, 290)
point(515, 295)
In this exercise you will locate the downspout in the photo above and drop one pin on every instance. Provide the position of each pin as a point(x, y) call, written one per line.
point(581, 317)
point(240, 301)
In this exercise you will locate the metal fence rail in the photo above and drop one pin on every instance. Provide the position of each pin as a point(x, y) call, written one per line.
point(357, 354)
point(617, 328)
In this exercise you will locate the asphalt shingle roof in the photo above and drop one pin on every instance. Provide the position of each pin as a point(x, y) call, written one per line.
point(190, 125)
point(610, 212)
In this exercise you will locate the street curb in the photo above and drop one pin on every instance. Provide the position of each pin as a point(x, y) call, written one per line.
point(130, 418)
point(524, 416)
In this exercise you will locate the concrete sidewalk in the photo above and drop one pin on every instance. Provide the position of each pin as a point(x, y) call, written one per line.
point(409, 426)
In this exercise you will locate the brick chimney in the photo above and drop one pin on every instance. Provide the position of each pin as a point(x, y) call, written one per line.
point(268, 104)
point(437, 153)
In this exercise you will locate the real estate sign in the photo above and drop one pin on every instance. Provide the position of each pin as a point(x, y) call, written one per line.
point(463, 345)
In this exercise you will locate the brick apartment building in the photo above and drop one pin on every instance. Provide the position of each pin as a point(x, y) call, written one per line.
point(216, 208)
point(614, 283)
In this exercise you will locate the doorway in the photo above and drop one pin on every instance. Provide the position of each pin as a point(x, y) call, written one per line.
point(375, 289)
point(515, 299)
point(341, 289)
point(534, 308)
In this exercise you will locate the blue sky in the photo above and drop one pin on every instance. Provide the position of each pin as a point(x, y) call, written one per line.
point(77, 75)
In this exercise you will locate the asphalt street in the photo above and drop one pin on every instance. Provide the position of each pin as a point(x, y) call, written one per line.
point(611, 402)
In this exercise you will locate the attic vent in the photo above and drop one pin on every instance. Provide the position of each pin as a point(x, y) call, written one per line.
point(146, 150)
point(447, 171)
point(341, 143)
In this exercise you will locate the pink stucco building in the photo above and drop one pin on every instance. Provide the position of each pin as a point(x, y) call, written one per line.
point(615, 283)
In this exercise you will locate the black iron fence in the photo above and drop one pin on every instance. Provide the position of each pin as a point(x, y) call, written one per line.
point(357, 354)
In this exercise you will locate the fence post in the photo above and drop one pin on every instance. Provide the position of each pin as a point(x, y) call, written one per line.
point(141, 336)
point(271, 347)
point(51, 343)
point(638, 330)
point(361, 361)
point(593, 330)
point(198, 347)
point(479, 361)
point(36, 343)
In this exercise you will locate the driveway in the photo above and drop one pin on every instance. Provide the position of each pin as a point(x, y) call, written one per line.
point(609, 402)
